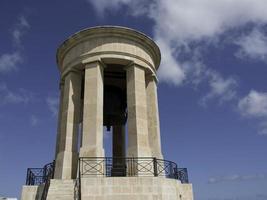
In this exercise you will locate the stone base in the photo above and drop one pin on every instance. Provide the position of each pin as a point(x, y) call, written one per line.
point(113, 188)
point(61, 190)
point(134, 188)
point(32, 192)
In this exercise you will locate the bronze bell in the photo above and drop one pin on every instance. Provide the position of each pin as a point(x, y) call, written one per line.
point(114, 106)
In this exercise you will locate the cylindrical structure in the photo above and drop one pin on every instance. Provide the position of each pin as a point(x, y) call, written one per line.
point(109, 76)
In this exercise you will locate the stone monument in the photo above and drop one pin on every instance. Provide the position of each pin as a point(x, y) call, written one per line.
point(108, 79)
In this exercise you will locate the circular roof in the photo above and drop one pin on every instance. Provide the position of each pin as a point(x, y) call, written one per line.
point(98, 30)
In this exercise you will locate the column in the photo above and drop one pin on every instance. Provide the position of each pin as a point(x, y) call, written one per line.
point(153, 116)
point(92, 129)
point(118, 141)
point(118, 151)
point(67, 157)
point(138, 144)
point(61, 87)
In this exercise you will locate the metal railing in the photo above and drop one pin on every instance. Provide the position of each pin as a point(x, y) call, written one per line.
point(109, 167)
point(49, 169)
point(141, 166)
point(38, 176)
point(182, 175)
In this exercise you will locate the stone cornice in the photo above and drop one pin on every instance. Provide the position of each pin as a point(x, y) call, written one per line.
point(109, 31)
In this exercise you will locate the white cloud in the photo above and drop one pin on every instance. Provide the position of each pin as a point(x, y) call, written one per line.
point(192, 19)
point(221, 88)
point(20, 29)
point(11, 97)
point(236, 177)
point(182, 27)
point(253, 45)
point(254, 105)
point(52, 103)
point(198, 19)
point(170, 70)
point(9, 62)
point(179, 24)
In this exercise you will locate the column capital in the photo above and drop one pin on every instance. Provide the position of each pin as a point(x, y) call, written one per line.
point(94, 63)
point(62, 79)
point(153, 77)
point(76, 71)
point(133, 64)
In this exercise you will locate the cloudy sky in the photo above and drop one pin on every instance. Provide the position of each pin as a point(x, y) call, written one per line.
point(212, 90)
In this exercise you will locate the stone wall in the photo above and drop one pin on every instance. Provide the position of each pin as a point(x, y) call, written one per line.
point(134, 188)
point(32, 192)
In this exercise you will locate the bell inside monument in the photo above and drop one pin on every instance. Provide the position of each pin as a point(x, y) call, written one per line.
point(114, 106)
point(115, 114)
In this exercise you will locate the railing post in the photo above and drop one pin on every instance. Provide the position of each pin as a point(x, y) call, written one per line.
point(27, 177)
point(53, 165)
point(131, 166)
point(81, 166)
point(105, 172)
point(176, 175)
point(183, 175)
point(45, 174)
point(34, 179)
point(155, 165)
point(30, 178)
point(80, 180)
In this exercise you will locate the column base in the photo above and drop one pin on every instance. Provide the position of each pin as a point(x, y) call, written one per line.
point(66, 165)
point(61, 190)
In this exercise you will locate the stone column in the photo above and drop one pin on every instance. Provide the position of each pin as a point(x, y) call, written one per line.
point(66, 160)
point(138, 144)
point(118, 151)
point(118, 143)
point(61, 87)
point(153, 116)
point(92, 129)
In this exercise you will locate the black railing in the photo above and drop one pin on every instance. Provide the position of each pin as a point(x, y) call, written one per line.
point(114, 167)
point(49, 172)
point(183, 175)
point(38, 176)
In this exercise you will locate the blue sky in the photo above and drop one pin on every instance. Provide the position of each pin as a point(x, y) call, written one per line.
point(212, 90)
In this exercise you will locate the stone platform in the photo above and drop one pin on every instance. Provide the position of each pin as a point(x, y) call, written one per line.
point(114, 188)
